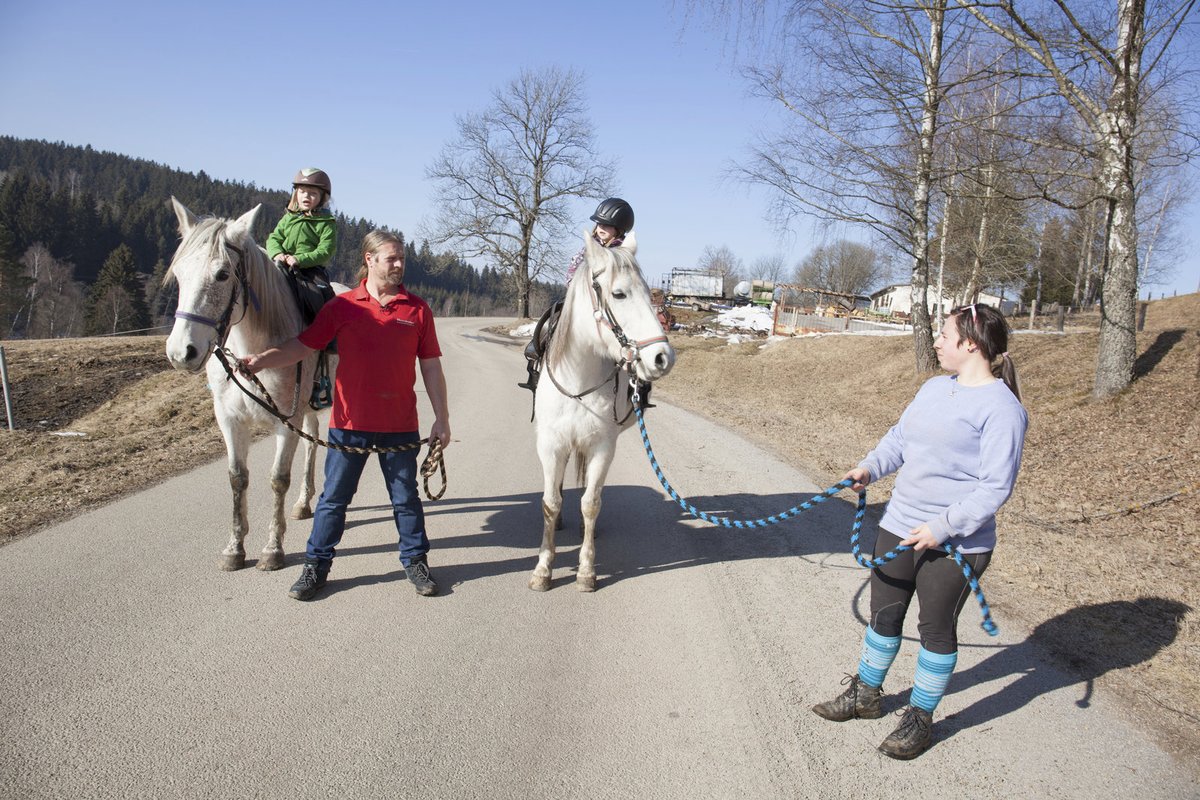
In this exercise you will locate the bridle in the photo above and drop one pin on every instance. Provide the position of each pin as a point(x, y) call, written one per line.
point(223, 325)
point(241, 285)
point(630, 349)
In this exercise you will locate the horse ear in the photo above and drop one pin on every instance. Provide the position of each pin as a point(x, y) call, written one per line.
point(187, 220)
point(245, 223)
point(593, 251)
point(630, 243)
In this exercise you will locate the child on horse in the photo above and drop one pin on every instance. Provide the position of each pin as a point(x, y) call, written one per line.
point(302, 245)
point(614, 219)
point(304, 241)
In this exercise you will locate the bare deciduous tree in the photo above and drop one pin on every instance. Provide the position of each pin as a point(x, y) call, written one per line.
point(504, 186)
point(771, 268)
point(841, 266)
point(725, 263)
point(1105, 69)
point(866, 84)
point(54, 297)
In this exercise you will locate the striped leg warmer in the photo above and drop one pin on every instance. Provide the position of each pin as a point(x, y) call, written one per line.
point(933, 674)
point(878, 653)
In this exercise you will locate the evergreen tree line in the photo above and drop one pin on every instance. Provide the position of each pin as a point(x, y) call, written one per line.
point(86, 238)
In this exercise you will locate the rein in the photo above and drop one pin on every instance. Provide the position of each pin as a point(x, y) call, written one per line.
point(988, 624)
point(434, 463)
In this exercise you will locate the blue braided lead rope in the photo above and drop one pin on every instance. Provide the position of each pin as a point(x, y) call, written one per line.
point(859, 513)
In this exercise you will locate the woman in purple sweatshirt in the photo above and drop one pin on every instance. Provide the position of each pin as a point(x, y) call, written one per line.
point(958, 449)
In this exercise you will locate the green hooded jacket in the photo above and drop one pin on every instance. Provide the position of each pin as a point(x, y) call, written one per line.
point(311, 239)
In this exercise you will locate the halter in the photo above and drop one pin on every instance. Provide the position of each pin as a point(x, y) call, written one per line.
point(630, 350)
point(222, 326)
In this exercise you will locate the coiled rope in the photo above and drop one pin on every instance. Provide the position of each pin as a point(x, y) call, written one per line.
point(856, 529)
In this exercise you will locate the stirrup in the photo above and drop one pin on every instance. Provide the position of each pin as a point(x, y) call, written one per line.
point(322, 389)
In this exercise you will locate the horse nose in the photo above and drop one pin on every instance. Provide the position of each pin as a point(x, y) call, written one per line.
point(190, 354)
point(661, 362)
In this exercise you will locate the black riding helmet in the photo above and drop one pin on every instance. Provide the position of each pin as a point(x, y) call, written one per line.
point(615, 212)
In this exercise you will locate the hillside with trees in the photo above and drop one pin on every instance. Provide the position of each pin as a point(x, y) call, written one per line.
point(86, 238)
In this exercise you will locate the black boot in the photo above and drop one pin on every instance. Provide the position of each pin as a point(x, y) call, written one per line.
point(912, 736)
point(311, 579)
point(859, 701)
point(418, 575)
point(532, 381)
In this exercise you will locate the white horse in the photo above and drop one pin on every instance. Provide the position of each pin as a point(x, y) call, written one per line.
point(230, 294)
point(608, 329)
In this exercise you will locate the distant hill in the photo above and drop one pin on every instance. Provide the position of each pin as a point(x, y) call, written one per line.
point(81, 204)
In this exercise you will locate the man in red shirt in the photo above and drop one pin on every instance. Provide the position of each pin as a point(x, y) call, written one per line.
point(383, 332)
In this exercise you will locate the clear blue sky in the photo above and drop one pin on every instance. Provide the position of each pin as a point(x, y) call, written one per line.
point(368, 91)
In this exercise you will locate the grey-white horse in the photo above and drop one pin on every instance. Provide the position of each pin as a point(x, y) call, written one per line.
point(608, 331)
point(230, 294)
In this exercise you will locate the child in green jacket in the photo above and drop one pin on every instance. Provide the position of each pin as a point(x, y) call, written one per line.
point(306, 237)
point(302, 244)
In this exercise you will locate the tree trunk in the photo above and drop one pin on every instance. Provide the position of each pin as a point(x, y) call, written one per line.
point(1118, 300)
point(926, 358)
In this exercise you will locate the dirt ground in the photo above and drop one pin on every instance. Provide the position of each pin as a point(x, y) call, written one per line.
point(1095, 545)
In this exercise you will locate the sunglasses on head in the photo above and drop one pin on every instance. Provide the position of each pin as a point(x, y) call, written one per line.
point(961, 309)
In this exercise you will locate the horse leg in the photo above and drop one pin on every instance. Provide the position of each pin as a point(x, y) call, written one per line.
point(553, 466)
point(303, 506)
point(237, 443)
point(281, 480)
point(589, 508)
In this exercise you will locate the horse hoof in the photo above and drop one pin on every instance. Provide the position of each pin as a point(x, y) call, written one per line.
point(585, 583)
point(232, 562)
point(540, 583)
point(300, 512)
point(270, 561)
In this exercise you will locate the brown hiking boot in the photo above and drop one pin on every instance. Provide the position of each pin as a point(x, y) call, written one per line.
point(912, 736)
point(859, 701)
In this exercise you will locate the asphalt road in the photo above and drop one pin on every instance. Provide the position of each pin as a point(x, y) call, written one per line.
point(132, 668)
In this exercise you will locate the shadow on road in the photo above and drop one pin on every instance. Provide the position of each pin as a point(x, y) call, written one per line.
point(1089, 641)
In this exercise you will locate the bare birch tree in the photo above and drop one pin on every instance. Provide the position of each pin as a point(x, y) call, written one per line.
point(1105, 69)
point(865, 83)
point(504, 187)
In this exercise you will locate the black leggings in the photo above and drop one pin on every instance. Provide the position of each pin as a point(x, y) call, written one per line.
point(940, 587)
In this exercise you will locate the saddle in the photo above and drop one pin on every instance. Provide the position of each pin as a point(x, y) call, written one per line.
point(312, 290)
point(535, 351)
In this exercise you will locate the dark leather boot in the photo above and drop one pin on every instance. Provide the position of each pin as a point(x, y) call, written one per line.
point(912, 736)
point(859, 701)
point(312, 578)
point(532, 381)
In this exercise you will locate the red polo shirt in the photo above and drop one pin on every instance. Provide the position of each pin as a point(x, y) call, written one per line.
point(377, 351)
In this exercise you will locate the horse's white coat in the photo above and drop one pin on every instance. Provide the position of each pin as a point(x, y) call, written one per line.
point(206, 269)
point(583, 354)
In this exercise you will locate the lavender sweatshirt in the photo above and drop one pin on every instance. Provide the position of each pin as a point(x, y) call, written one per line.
point(960, 449)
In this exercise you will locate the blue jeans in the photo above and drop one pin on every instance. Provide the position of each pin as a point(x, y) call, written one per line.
point(342, 471)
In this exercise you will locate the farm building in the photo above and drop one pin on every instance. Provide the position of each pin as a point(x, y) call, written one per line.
point(897, 301)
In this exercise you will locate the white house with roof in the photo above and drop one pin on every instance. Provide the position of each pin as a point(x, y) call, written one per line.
point(897, 299)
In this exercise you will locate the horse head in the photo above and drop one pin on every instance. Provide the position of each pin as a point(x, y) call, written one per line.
point(210, 267)
point(621, 302)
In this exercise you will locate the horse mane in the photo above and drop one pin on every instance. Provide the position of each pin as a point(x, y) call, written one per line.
point(209, 240)
point(619, 261)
